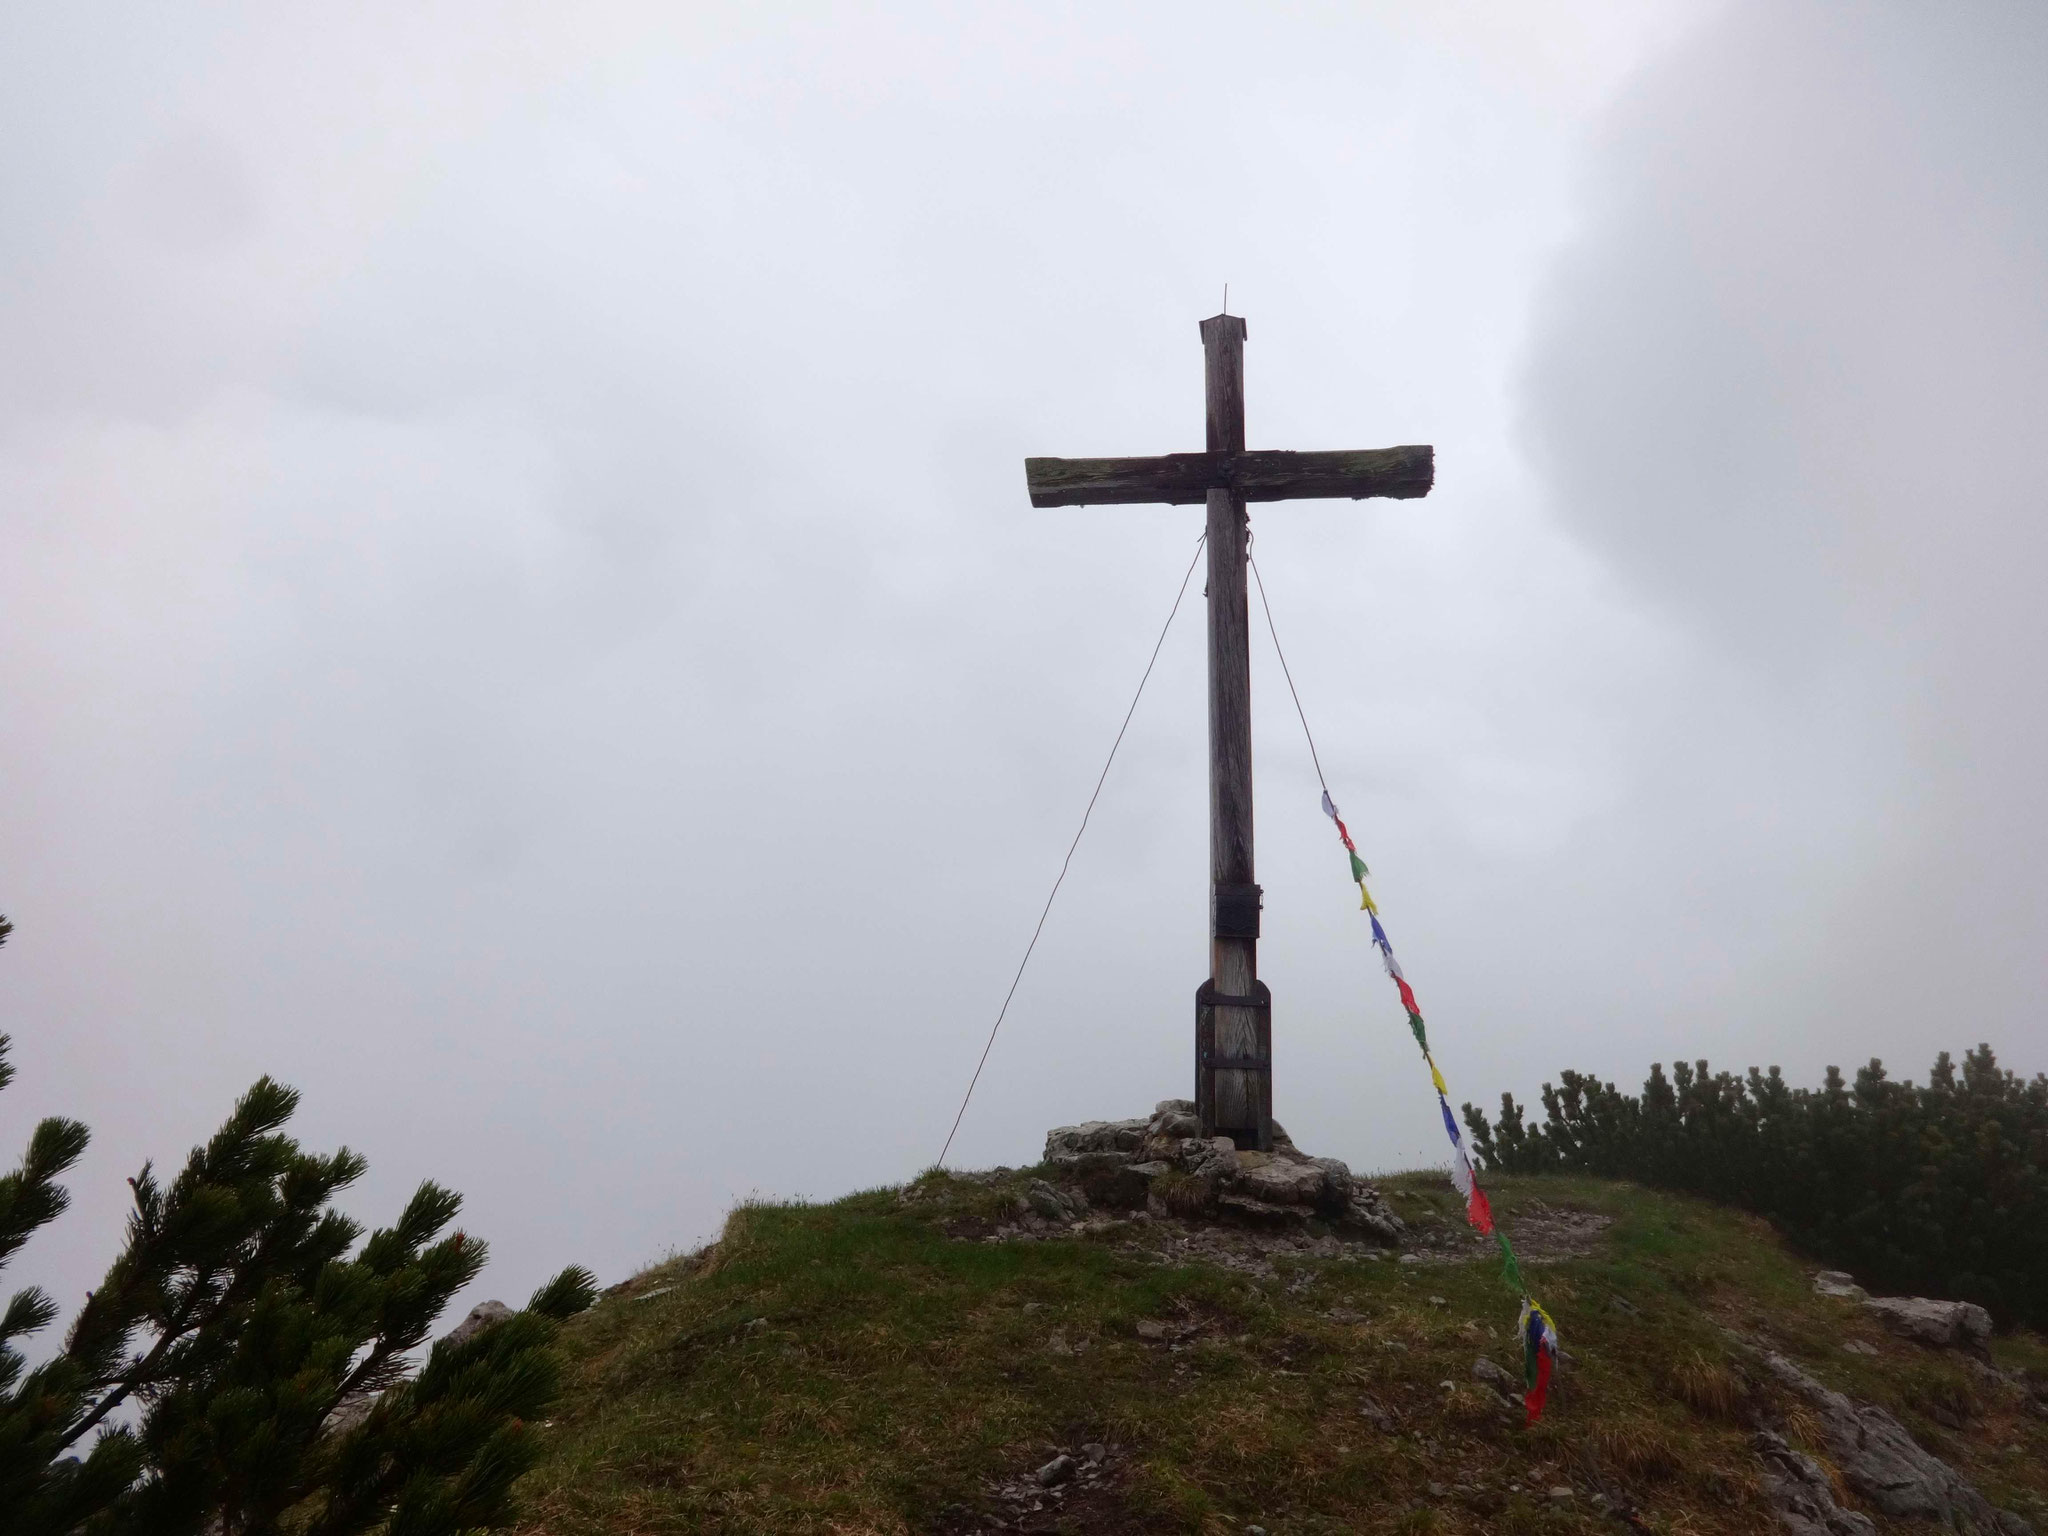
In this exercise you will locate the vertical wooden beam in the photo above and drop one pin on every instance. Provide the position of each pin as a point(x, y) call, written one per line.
point(1234, 1101)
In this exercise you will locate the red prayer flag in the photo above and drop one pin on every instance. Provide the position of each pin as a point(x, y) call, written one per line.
point(1536, 1394)
point(1479, 1211)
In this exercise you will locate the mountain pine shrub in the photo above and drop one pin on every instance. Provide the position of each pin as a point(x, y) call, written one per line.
point(245, 1366)
point(1938, 1189)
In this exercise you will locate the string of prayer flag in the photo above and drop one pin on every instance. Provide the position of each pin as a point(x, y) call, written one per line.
point(1535, 1328)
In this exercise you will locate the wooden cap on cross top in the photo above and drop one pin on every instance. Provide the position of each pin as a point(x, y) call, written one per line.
point(1223, 381)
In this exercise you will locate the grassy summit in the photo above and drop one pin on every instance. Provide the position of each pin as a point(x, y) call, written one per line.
point(878, 1365)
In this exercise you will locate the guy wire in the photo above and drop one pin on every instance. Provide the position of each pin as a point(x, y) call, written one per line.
point(1100, 779)
point(1300, 714)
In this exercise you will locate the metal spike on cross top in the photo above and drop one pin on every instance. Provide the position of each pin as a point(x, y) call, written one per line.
point(1233, 1008)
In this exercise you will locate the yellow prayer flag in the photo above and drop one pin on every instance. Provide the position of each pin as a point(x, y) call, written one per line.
point(1365, 901)
point(1438, 1078)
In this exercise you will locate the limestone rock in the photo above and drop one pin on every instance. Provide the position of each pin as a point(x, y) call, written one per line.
point(1370, 1212)
point(483, 1315)
point(349, 1412)
point(1800, 1492)
point(1940, 1324)
point(1282, 1183)
point(1122, 1164)
point(1080, 1164)
point(1216, 1158)
point(1833, 1282)
point(1336, 1177)
point(1056, 1204)
point(1249, 1211)
point(1886, 1465)
point(1092, 1136)
point(1058, 1470)
point(1488, 1374)
point(1175, 1118)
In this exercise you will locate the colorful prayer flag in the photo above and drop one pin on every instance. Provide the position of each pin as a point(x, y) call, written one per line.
point(1539, 1354)
point(1538, 1332)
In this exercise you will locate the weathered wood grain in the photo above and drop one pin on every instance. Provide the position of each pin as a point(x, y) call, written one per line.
point(1259, 475)
point(1223, 382)
point(1234, 963)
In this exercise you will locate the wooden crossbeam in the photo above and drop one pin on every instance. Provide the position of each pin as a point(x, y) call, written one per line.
point(1257, 475)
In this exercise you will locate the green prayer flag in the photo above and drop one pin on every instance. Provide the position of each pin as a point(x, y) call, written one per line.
point(1510, 1270)
point(1358, 869)
point(1421, 1039)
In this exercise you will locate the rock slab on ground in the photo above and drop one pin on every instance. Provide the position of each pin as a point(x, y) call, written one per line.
point(1882, 1462)
point(1939, 1324)
point(1801, 1493)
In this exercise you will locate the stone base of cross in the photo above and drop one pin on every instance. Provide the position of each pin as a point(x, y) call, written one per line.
point(1233, 1008)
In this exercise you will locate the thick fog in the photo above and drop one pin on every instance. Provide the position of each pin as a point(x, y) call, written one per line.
point(519, 613)
point(1789, 387)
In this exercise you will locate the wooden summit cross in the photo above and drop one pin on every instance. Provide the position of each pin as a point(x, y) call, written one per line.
point(1233, 1009)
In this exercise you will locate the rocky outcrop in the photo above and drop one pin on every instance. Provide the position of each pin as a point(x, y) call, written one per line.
point(1164, 1161)
point(1938, 1324)
point(481, 1316)
point(1883, 1463)
point(1800, 1492)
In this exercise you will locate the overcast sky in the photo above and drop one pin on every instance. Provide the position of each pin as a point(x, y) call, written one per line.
point(519, 613)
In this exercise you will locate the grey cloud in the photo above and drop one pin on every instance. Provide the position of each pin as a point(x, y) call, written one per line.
point(521, 616)
point(1789, 382)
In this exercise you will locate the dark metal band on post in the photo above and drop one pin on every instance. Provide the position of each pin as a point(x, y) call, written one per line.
point(1234, 911)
